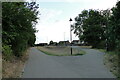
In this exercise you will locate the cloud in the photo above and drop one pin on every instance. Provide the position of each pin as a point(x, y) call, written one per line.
point(81, 1)
point(56, 32)
point(48, 29)
point(51, 27)
point(94, 4)
point(49, 14)
point(102, 4)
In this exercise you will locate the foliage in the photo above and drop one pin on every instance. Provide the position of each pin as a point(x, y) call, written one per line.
point(18, 23)
point(89, 27)
point(7, 52)
point(115, 25)
point(112, 29)
point(99, 28)
point(51, 42)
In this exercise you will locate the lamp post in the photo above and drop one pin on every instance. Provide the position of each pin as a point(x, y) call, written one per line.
point(70, 36)
point(64, 39)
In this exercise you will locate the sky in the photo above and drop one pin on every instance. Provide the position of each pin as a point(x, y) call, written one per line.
point(55, 14)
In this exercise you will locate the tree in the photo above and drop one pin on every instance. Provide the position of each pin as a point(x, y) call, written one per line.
point(114, 30)
point(89, 27)
point(51, 42)
point(18, 23)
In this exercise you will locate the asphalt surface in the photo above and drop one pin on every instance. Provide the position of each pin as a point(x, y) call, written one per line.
point(89, 65)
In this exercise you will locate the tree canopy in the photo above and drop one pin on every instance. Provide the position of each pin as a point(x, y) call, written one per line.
point(89, 27)
point(18, 24)
point(99, 28)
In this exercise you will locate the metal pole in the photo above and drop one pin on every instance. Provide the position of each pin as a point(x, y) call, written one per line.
point(70, 36)
point(64, 39)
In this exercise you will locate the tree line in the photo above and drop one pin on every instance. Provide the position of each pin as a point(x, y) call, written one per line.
point(99, 28)
point(18, 27)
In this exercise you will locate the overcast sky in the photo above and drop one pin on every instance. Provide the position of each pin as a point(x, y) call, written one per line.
point(55, 14)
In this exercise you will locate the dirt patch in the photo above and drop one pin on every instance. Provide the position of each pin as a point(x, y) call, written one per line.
point(14, 67)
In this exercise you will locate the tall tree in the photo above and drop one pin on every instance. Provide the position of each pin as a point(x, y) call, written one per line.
point(19, 19)
point(115, 27)
point(89, 27)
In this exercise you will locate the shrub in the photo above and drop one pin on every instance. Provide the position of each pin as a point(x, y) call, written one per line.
point(7, 52)
point(101, 45)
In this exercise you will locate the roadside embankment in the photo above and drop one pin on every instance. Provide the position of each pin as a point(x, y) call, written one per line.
point(13, 68)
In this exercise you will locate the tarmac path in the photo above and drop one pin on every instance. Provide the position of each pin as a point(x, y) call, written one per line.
point(89, 65)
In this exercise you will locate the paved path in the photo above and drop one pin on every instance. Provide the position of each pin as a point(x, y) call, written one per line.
point(89, 65)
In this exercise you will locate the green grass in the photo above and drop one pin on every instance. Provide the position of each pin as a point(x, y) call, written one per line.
point(48, 53)
point(60, 51)
point(102, 50)
point(89, 47)
point(108, 52)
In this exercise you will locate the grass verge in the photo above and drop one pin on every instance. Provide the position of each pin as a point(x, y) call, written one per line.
point(111, 60)
point(14, 68)
point(61, 51)
point(89, 47)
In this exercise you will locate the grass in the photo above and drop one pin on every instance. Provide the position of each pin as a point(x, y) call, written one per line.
point(111, 60)
point(108, 52)
point(13, 68)
point(86, 47)
point(60, 51)
point(102, 50)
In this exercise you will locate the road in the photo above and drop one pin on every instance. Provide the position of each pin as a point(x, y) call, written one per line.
point(89, 65)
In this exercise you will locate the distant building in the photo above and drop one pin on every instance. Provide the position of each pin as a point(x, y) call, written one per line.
point(42, 44)
point(53, 44)
point(75, 42)
point(64, 43)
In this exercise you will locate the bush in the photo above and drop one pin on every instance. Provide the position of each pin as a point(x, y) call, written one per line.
point(101, 45)
point(7, 52)
point(19, 47)
point(19, 33)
